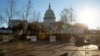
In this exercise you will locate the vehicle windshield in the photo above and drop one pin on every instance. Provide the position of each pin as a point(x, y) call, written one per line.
point(49, 28)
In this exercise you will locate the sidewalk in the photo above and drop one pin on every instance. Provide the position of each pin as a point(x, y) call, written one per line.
point(37, 42)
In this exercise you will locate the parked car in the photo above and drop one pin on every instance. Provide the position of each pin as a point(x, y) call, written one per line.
point(87, 41)
point(99, 46)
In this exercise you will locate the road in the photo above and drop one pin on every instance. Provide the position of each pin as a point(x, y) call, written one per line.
point(49, 50)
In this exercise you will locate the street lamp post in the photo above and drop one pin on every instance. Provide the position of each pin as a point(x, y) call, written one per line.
point(71, 22)
point(40, 29)
point(40, 32)
point(62, 35)
point(85, 51)
point(86, 48)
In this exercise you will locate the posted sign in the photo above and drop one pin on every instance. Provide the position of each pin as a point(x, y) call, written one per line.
point(52, 38)
point(72, 40)
point(33, 38)
point(5, 38)
point(28, 37)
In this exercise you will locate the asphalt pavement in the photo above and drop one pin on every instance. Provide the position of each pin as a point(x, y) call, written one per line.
point(57, 49)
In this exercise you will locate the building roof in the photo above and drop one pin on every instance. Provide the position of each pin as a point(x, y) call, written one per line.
point(49, 12)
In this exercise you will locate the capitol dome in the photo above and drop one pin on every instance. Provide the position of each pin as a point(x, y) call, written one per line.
point(49, 13)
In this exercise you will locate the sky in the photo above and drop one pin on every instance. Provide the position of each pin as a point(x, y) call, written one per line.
point(81, 8)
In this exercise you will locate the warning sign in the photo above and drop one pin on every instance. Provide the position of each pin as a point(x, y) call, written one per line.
point(28, 37)
point(5, 38)
point(33, 38)
point(52, 38)
point(72, 40)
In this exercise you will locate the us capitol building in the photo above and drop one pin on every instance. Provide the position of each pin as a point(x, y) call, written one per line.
point(49, 18)
point(49, 21)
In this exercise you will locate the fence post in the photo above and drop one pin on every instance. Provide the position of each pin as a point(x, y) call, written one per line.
point(1, 52)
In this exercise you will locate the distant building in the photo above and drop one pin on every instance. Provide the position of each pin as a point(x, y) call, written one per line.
point(79, 28)
point(13, 22)
point(49, 18)
point(5, 31)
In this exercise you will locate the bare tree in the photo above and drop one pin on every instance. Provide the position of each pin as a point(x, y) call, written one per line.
point(36, 16)
point(11, 10)
point(2, 20)
point(27, 11)
point(67, 15)
point(29, 14)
